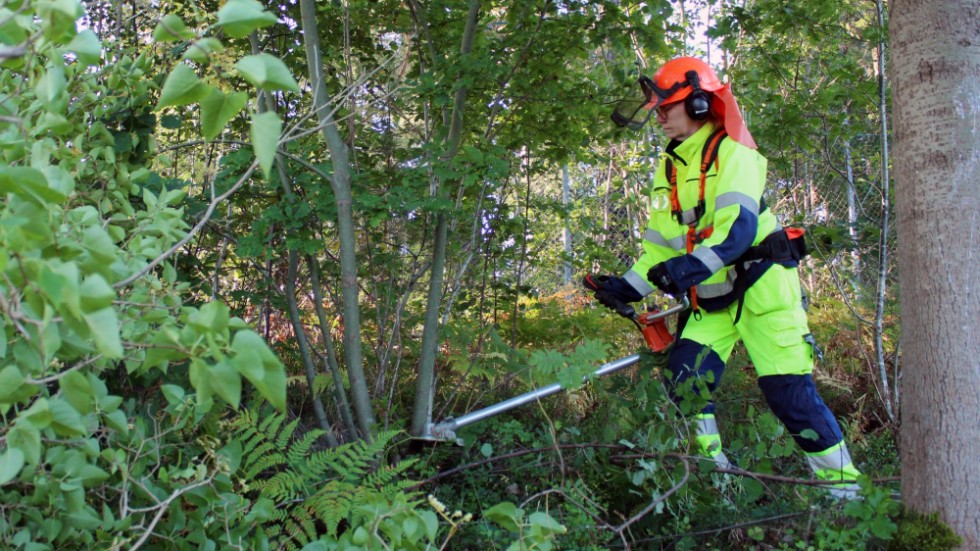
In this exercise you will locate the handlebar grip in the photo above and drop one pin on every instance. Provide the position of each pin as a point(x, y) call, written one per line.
point(625, 310)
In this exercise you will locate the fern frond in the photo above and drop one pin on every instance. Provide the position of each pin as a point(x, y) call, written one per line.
point(315, 490)
point(286, 434)
point(300, 449)
point(270, 423)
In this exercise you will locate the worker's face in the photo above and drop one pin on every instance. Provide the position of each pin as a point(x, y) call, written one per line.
point(675, 122)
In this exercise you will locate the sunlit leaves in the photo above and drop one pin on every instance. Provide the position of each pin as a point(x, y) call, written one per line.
point(219, 108)
point(51, 87)
point(240, 17)
point(171, 29)
point(267, 72)
point(181, 88)
point(201, 50)
point(266, 129)
point(58, 17)
point(29, 184)
point(87, 47)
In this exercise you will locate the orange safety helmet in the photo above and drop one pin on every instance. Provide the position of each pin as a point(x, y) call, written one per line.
point(682, 78)
point(694, 82)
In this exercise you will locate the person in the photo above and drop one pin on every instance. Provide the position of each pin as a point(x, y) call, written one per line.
point(711, 237)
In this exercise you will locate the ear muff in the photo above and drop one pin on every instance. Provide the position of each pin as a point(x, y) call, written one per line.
point(698, 102)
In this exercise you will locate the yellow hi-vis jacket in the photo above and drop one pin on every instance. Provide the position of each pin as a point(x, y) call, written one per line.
point(733, 193)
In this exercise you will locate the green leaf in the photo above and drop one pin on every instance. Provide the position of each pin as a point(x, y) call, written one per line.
point(217, 109)
point(77, 390)
point(240, 17)
point(431, 524)
point(95, 293)
point(65, 420)
point(26, 437)
point(104, 326)
point(171, 29)
point(201, 50)
point(28, 183)
point(11, 462)
point(210, 318)
point(87, 47)
point(171, 122)
point(58, 18)
point(266, 129)
point(506, 514)
point(182, 87)
point(202, 383)
point(267, 72)
point(809, 434)
point(232, 453)
point(117, 421)
point(97, 243)
point(13, 387)
point(226, 382)
point(545, 524)
point(753, 489)
point(50, 89)
point(173, 393)
point(260, 366)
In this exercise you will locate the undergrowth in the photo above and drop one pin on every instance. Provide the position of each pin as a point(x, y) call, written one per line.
point(611, 461)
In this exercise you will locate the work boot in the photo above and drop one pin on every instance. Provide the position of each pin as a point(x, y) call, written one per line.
point(835, 463)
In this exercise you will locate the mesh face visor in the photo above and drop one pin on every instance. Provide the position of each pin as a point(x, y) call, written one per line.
point(634, 112)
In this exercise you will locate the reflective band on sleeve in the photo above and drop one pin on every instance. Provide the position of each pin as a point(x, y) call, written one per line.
point(708, 257)
point(737, 198)
point(715, 290)
point(653, 236)
point(638, 282)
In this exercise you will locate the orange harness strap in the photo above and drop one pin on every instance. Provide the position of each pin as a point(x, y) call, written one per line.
point(709, 154)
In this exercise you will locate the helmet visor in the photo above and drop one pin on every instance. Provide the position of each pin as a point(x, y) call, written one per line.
point(634, 112)
point(630, 113)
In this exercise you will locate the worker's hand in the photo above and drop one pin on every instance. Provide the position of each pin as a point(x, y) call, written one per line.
point(659, 276)
point(611, 291)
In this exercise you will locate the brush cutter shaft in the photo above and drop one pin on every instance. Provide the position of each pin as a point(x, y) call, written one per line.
point(446, 429)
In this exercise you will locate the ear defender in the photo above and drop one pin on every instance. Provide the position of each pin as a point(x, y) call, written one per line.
point(698, 102)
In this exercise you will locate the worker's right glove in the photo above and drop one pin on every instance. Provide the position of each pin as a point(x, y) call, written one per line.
point(611, 291)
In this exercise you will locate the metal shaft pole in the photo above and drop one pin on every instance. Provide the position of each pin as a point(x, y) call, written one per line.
point(446, 429)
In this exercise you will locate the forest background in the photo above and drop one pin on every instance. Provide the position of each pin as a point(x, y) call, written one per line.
point(250, 250)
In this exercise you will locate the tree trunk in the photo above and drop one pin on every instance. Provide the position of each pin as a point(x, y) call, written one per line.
point(425, 387)
point(936, 90)
point(886, 209)
point(345, 222)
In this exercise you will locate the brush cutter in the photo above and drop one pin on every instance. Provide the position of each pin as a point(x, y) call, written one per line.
point(653, 325)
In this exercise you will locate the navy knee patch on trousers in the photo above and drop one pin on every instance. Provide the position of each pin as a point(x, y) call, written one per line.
point(690, 359)
point(794, 400)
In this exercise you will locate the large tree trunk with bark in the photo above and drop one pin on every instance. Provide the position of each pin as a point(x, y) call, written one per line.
point(936, 84)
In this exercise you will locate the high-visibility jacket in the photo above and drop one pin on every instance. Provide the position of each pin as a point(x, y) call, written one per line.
point(732, 220)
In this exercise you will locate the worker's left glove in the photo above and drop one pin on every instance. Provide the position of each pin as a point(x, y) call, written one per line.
point(659, 276)
point(611, 291)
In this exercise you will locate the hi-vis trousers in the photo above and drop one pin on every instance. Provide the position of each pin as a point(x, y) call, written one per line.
point(773, 327)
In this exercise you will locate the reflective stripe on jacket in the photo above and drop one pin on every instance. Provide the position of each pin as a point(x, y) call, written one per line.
point(733, 188)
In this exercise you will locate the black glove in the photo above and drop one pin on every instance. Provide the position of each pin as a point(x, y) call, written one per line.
point(659, 276)
point(611, 291)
